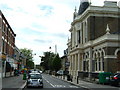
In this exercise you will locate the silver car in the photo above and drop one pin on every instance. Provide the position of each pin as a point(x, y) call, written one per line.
point(35, 80)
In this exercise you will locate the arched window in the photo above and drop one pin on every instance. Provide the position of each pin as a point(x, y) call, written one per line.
point(99, 62)
point(96, 62)
point(118, 61)
point(118, 55)
point(84, 62)
point(102, 56)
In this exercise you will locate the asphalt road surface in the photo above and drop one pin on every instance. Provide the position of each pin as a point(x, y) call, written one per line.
point(53, 82)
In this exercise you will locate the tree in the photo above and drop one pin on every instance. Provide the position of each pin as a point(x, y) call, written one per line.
point(29, 57)
point(30, 64)
point(50, 61)
point(57, 63)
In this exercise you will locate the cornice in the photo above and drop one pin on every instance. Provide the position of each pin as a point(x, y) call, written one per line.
point(93, 10)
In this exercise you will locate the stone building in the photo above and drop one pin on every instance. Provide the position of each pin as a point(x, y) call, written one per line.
point(94, 45)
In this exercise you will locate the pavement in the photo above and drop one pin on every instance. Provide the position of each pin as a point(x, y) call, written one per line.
point(91, 86)
point(15, 82)
point(94, 86)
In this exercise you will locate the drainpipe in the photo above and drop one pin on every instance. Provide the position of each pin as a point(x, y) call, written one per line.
point(1, 51)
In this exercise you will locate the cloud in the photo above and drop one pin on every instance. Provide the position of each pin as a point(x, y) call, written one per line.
point(60, 35)
point(5, 7)
point(47, 10)
point(43, 41)
point(40, 24)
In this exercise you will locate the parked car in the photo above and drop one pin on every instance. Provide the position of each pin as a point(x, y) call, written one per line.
point(115, 79)
point(34, 80)
point(36, 71)
point(60, 72)
point(40, 71)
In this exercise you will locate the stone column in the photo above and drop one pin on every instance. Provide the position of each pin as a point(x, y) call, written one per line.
point(78, 61)
point(69, 59)
point(90, 62)
point(75, 65)
point(72, 64)
point(83, 32)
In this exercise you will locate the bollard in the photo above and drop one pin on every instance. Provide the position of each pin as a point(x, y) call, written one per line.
point(24, 76)
point(77, 80)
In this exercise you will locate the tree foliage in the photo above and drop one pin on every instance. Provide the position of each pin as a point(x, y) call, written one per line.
point(57, 63)
point(29, 57)
point(51, 61)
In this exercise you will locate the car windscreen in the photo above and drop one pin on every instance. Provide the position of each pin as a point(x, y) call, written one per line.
point(35, 76)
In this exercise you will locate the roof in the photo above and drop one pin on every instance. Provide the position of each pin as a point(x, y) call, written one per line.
point(34, 73)
point(83, 6)
point(7, 22)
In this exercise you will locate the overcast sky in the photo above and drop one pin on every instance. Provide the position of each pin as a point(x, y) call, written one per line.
point(40, 24)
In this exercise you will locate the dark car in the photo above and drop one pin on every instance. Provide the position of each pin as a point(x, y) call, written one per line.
point(60, 73)
point(35, 80)
point(115, 79)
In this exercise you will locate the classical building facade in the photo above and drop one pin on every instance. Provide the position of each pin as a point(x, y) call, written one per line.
point(94, 45)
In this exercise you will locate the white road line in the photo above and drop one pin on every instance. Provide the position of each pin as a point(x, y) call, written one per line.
point(73, 86)
point(49, 82)
point(60, 86)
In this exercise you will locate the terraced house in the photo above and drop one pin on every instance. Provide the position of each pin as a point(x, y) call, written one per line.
point(94, 45)
point(7, 45)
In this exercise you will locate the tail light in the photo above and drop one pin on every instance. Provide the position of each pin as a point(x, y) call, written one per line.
point(115, 77)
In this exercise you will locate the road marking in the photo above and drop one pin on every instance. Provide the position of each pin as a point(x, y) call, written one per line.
point(60, 86)
point(49, 82)
point(73, 86)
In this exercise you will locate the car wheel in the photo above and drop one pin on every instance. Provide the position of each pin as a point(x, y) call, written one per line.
point(114, 84)
point(41, 86)
point(28, 87)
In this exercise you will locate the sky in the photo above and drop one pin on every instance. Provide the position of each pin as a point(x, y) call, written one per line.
point(40, 24)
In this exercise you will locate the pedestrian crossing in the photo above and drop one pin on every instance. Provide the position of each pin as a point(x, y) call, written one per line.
point(63, 86)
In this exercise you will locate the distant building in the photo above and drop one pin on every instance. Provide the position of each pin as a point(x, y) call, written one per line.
point(7, 45)
point(17, 60)
point(94, 45)
point(64, 62)
point(22, 59)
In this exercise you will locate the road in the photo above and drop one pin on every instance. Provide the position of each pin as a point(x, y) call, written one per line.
point(53, 82)
point(50, 82)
